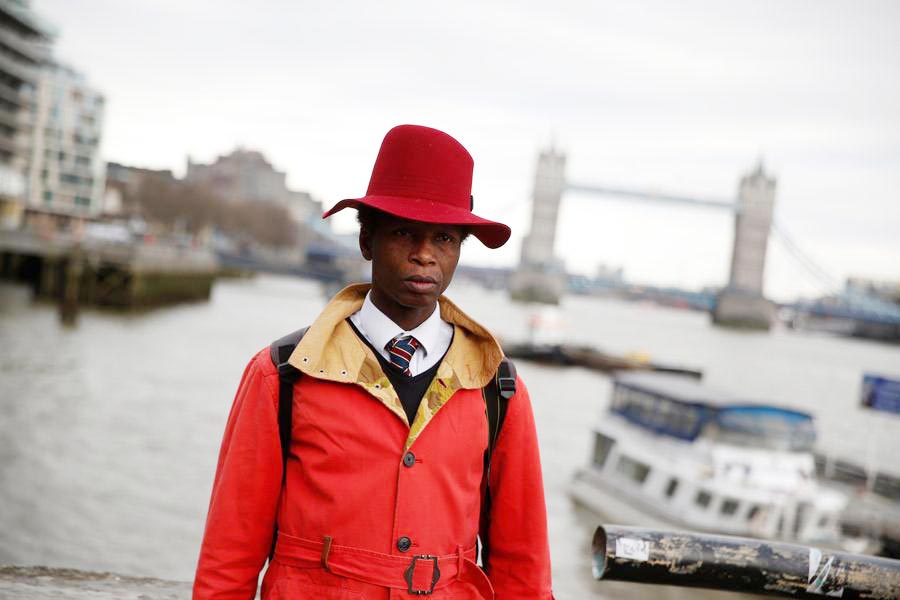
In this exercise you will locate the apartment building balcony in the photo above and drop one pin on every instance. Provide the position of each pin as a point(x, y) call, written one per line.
point(8, 144)
point(12, 183)
point(9, 118)
point(19, 18)
point(10, 94)
point(31, 49)
point(80, 148)
point(85, 172)
point(17, 70)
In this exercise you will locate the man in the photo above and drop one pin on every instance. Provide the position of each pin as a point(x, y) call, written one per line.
point(382, 493)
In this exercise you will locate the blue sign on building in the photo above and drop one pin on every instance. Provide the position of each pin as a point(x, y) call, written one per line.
point(881, 393)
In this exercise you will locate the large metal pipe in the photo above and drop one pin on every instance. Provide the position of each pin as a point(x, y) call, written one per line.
point(740, 565)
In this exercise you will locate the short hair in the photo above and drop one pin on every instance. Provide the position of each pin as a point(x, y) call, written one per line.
point(368, 217)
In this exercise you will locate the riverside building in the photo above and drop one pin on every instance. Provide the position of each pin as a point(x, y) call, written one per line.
point(246, 175)
point(65, 173)
point(25, 42)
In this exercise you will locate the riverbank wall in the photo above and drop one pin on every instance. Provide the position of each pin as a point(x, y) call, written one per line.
point(44, 583)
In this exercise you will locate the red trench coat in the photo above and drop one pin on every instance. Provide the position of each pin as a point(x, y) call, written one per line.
point(366, 492)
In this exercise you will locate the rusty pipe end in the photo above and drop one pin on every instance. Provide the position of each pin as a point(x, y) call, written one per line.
point(598, 546)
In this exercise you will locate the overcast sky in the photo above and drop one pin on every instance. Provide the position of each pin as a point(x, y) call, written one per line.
point(678, 97)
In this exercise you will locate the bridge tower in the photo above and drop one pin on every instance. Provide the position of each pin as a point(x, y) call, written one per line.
point(540, 276)
point(742, 303)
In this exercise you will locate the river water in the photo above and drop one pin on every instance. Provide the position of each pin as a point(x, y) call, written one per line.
point(109, 431)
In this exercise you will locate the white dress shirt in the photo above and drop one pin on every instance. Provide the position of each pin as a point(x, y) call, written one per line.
point(434, 335)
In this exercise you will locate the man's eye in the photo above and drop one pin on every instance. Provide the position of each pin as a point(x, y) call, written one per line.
point(444, 237)
point(401, 232)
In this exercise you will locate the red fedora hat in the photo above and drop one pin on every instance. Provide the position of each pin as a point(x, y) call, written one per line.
point(423, 174)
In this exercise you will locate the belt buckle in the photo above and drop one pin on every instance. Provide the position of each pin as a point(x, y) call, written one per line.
point(408, 574)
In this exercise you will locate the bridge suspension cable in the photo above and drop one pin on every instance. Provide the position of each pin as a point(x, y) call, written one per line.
point(853, 300)
point(825, 281)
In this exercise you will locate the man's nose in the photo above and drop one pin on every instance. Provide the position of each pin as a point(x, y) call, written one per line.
point(423, 251)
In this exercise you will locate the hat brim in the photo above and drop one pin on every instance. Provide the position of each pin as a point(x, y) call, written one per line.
point(490, 233)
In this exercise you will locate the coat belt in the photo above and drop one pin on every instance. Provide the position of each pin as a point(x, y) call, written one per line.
point(419, 574)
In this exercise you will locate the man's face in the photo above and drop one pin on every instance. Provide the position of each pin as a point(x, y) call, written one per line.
point(412, 264)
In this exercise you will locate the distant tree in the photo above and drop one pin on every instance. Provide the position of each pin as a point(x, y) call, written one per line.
point(172, 203)
point(263, 222)
point(157, 199)
point(200, 205)
point(169, 201)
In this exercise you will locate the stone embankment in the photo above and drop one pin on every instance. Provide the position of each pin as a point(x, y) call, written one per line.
point(43, 583)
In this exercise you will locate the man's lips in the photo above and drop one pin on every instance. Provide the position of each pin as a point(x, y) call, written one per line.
point(420, 283)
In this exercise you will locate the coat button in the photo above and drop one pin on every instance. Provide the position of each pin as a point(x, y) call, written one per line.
point(409, 459)
point(403, 544)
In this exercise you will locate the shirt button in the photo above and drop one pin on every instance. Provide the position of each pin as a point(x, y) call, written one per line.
point(403, 544)
point(409, 459)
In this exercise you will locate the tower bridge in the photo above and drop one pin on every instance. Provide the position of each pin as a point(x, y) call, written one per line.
point(540, 275)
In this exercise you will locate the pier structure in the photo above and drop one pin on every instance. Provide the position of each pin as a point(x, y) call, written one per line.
point(541, 276)
point(741, 303)
point(76, 272)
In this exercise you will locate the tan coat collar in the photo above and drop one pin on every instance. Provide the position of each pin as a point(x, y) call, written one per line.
point(330, 347)
point(331, 350)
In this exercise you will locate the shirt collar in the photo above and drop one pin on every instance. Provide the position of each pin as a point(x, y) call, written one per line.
point(380, 329)
point(330, 350)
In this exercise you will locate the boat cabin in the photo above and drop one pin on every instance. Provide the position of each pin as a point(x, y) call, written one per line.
point(683, 408)
point(680, 453)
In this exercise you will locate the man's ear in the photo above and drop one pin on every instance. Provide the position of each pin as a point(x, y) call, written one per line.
point(365, 243)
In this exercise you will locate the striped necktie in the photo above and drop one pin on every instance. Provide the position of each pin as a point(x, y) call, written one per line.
point(401, 350)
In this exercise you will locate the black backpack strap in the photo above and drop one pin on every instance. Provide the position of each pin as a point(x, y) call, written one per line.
point(280, 351)
point(497, 394)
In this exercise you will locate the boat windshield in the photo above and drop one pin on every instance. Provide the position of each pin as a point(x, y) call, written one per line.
point(658, 413)
point(765, 427)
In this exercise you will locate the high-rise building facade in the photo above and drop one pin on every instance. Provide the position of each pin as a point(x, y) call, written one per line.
point(24, 48)
point(65, 173)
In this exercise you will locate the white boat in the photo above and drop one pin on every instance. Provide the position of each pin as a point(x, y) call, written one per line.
point(672, 453)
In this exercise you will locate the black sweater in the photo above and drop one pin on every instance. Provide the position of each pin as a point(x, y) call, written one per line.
point(409, 389)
